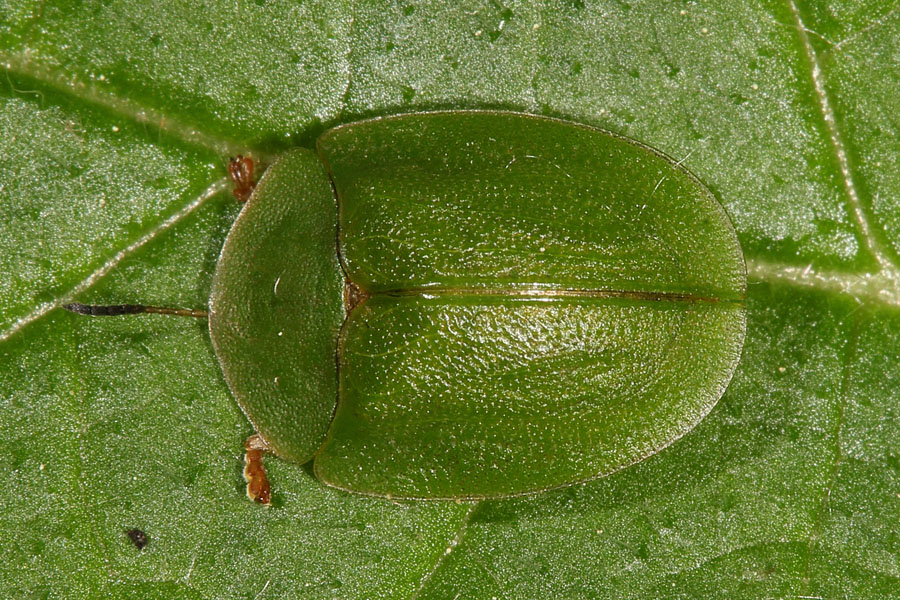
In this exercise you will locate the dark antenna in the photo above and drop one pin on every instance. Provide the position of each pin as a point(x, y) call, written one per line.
point(240, 169)
point(114, 310)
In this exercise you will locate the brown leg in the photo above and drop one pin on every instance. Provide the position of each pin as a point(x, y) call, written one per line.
point(240, 170)
point(254, 472)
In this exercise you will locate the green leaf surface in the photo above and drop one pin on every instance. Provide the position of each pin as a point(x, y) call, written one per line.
point(117, 120)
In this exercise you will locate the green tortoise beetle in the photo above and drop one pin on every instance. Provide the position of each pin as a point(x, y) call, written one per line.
point(472, 304)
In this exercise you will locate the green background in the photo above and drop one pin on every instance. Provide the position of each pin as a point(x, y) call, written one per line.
point(116, 121)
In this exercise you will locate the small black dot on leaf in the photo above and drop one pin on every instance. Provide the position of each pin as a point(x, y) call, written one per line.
point(138, 538)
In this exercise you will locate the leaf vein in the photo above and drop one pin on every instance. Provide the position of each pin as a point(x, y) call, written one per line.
point(20, 66)
point(454, 542)
point(213, 189)
point(819, 518)
point(855, 205)
point(881, 288)
point(879, 22)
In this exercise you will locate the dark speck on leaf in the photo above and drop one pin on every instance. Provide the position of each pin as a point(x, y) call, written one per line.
point(138, 538)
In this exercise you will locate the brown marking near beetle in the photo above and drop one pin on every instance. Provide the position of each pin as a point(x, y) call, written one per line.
point(258, 488)
point(353, 295)
point(240, 170)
